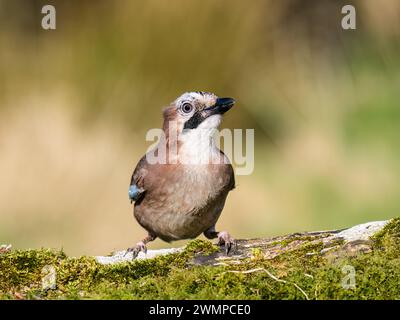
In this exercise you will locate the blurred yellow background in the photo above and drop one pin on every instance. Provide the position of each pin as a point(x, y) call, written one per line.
point(76, 103)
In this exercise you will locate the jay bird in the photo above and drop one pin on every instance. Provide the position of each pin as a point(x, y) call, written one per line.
point(184, 197)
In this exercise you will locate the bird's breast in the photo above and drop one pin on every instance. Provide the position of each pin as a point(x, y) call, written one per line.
point(182, 201)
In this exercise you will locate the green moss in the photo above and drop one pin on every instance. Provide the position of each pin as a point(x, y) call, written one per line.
point(197, 246)
point(388, 239)
point(296, 238)
point(174, 276)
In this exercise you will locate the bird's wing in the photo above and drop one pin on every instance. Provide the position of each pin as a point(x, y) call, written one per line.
point(230, 173)
point(136, 187)
point(232, 177)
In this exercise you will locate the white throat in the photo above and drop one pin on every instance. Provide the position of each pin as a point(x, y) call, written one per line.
point(198, 145)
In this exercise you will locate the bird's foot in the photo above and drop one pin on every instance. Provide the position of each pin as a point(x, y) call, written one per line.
point(140, 247)
point(225, 239)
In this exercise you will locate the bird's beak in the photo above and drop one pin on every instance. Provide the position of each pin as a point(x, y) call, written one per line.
point(221, 106)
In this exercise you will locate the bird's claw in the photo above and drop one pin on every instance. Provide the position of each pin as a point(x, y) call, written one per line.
point(140, 247)
point(224, 238)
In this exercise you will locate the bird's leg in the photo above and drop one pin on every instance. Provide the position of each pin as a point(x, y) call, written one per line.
point(224, 238)
point(140, 246)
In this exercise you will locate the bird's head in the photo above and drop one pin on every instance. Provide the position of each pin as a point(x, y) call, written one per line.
point(197, 110)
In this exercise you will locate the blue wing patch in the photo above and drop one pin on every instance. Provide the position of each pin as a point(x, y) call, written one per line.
point(134, 192)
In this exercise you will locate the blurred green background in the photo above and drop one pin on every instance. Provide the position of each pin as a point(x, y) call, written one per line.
point(76, 103)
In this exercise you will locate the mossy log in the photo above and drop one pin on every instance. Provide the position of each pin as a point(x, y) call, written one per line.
point(362, 262)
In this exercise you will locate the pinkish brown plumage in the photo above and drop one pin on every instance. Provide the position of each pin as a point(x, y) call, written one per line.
point(184, 197)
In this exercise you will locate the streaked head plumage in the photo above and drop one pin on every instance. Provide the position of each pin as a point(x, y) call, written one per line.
point(198, 108)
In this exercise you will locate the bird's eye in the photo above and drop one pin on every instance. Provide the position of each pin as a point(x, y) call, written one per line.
point(187, 107)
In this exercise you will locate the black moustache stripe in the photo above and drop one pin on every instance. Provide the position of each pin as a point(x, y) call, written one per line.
point(194, 121)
